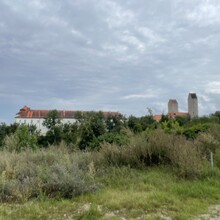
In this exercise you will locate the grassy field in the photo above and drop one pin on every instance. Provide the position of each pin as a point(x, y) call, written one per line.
point(125, 193)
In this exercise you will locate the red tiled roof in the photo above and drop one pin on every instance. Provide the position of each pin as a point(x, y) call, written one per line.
point(26, 112)
point(157, 117)
point(174, 114)
point(170, 115)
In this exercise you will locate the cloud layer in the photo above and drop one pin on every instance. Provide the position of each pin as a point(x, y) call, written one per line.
point(108, 55)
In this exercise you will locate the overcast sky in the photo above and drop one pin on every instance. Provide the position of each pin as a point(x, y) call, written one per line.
point(109, 55)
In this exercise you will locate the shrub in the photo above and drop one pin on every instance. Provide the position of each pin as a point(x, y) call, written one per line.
point(157, 148)
point(207, 143)
point(54, 173)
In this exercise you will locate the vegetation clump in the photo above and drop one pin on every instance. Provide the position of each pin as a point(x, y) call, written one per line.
point(48, 172)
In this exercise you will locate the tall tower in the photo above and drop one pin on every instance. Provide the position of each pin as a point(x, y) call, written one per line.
point(172, 106)
point(192, 105)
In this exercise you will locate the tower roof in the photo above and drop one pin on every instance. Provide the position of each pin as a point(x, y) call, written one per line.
point(172, 100)
point(193, 95)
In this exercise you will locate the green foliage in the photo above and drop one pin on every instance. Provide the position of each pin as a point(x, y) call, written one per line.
point(91, 126)
point(97, 124)
point(114, 138)
point(191, 132)
point(6, 130)
point(172, 126)
point(134, 124)
point(95, 128)
point(217, 115)
point(182, 120)
point(53, 123)
point(205, 120)
point(164, 118)
point(54, 136)
point(23, 138)
point(70, 133)
point(52, 120)
point(3, 133)
point(114, 123)
point(87, 137)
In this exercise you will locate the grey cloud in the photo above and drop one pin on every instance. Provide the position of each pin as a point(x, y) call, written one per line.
point(100, 54)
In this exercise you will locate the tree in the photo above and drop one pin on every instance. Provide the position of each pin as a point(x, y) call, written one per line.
point(114, 123)
point(97, 124)
point(70, 133)
point(53, 123)
point(92, 125)
point(146, 121)
point(134, 124)
point(21, 139)
point(52, 119)
point(87, 137)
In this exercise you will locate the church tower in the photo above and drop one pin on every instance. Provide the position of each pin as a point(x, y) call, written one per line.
point(192, 105)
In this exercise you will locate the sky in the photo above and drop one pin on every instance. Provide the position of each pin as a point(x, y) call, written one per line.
point(108, 55)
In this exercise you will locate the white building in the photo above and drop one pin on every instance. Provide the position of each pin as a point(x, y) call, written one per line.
point(36, 117)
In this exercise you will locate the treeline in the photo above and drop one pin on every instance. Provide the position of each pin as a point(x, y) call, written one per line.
point(91, 129)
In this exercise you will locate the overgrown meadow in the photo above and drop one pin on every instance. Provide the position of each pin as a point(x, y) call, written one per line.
point(151, 165)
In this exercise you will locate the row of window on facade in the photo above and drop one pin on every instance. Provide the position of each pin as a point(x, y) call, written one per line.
point(32, 121)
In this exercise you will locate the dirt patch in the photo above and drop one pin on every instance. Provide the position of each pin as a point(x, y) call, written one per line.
point(213, 214)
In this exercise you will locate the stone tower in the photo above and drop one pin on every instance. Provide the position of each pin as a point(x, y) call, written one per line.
point(192, 105)
point(172, 106)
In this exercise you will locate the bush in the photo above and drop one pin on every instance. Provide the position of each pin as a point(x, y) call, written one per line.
point(54, 173)
point(207, 143)
point(157, 148)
